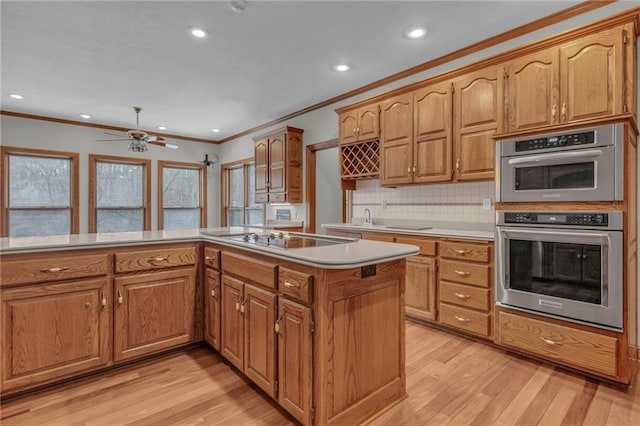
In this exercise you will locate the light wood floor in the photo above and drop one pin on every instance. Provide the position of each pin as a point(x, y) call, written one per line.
point(450, 380)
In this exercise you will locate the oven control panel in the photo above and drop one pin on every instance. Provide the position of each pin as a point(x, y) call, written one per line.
point(571, 139)
point(552, 218)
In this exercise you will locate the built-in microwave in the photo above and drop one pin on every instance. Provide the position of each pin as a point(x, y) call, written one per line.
point(577, 165)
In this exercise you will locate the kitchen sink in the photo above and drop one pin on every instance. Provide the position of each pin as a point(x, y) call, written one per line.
point(408, 227)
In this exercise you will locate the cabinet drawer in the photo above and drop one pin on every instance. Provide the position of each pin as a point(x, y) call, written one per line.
point(579, 348)
point(465, 295)
point(253, 270)
point(212, 257)
point(262, 197)
point(140, 260)
point(295, 284)
point(464, 251)
point(278, 197)
point(465, 319)
point(379, 236)
point(53, 268)
point(427, 247)
point(463, 272)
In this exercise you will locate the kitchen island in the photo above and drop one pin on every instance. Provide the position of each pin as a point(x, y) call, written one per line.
point(320, 329)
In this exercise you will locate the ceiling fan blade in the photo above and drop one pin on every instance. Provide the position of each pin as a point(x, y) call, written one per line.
point(163, 144)
point(155, 139)
point(114, 134)
point(111, 140)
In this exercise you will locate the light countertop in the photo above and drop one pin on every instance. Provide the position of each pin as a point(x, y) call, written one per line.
point(353, 253)
point(469, 231)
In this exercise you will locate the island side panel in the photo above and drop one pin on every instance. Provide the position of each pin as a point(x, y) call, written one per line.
point(359, 343)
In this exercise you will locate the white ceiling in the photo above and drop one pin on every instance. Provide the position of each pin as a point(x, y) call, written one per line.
point(101, 58)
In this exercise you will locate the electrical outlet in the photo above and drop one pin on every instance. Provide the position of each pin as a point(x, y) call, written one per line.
point(384, 204)
point(486, 204)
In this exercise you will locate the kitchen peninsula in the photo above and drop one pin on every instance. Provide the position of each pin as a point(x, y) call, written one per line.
point(316, 322)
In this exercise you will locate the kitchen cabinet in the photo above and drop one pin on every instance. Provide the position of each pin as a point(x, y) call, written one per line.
point(578, 80)
point(212, 296)
point(359, 125)
point(278, 166)
point(153, 311)
point(51, 331)
point(478, 114)
point(577, 264)
point(294, 330)
point(396, 141)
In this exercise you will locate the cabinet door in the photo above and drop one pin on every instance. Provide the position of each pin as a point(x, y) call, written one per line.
point(420, 288)
point(533, 90)
point(592, 76)
point(259, 335)
point(277, 163)
point(432, 134)
point(261, 167)
point(212, 308)
point(592, 265)
point(154, 311)
point(567, 263)
point(294, 359)
point(53, 331)
point(478, 114)
point(396, 141)
point(232, 325)
point(348, 125)
point(368, 123)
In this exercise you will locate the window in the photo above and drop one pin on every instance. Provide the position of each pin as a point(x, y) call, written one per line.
point(182, 198)
point(239, 206)
point(119, 196)
point(39, 192)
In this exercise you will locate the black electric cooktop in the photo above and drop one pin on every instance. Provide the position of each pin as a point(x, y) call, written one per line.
point(283, 240)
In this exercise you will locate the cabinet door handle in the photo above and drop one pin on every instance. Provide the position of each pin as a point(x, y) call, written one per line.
point(554, 110)
point(461, 296)
point(354, 130)
point(242, 306)
point(120, 300)
point(563, 112)
point(57, 269)
point(291, 285)
point(238, 300)
point(158, 259)
point(462, 273)
point(461, 319)
point(213, 292)
point(409, 169)
point(457, 165)
point(103, 299)
point(207, 258)
point(462, 252)
point(550, 342)
point(414, 169)
point(276, 326)
point(358, 129)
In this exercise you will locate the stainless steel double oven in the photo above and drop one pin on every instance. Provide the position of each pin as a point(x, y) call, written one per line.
point(566, 264)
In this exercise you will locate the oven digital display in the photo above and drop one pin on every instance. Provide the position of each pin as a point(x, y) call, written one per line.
point(559, 141)
point(556, 218)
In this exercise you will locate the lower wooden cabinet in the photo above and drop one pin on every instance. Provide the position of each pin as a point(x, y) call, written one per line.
point(248, 336)
point(294, 330)
point(154, 311)
point(54, 331)
point(420, 288)
point(212, 295)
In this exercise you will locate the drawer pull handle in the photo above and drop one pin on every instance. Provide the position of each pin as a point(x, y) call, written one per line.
point(103, 299)
point(158, 259)
point(119, 298)
point(461, 296)
point(291, 285)
point(276, 327)
point(462, 252)
point(461, 319)
point(59, 269)
point(207, 258)
point(462, 273)
point(550, 342)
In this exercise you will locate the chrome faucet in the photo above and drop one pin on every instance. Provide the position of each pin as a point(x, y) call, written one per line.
point(367, 219)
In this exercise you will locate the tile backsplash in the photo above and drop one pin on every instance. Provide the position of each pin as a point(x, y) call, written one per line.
point(455, 202)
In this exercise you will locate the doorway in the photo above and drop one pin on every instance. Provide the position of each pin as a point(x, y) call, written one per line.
point(324, 195)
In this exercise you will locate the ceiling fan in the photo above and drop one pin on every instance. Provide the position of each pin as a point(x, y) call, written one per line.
point(139, 139)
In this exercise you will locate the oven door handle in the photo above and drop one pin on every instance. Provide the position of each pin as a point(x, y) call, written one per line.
point(557, 157)
point(603, 238)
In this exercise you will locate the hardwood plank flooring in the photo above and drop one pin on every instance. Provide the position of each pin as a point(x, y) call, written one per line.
point(450, 381)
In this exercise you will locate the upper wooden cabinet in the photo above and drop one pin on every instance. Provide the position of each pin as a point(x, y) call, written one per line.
point(478, 115)
point(578, 80)
point(360, 124)
point(278, 166)
point(396, 141)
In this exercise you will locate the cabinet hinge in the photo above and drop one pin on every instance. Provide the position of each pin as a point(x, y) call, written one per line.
point(312, 327)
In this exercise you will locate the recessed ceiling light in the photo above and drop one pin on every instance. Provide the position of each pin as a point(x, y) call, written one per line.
point(414, 33)
point(85, 116)
point(16, 96)
point(238, 5)
point(199, 32)
point(162, 128)
point(215, 130)
point(341, 67)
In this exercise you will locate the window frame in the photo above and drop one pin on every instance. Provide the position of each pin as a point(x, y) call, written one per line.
point(6, 151)
point(224, 190)
point(203, 189)
point(94, 159)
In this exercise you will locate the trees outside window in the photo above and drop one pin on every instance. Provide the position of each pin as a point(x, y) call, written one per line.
point(182, 195)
